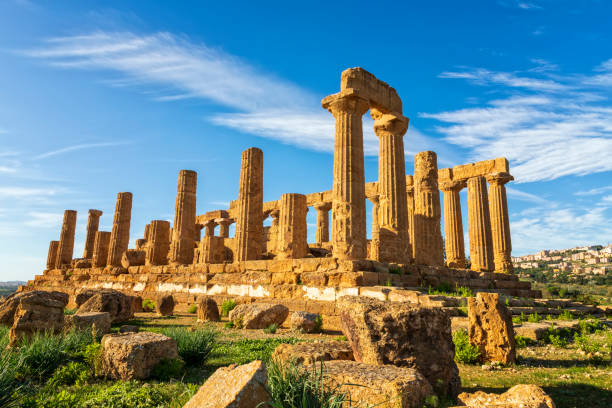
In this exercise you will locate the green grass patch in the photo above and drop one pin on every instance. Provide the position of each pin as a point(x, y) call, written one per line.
point(465, 352)
point(245, 351)
point(195, 346)
point(227, 306)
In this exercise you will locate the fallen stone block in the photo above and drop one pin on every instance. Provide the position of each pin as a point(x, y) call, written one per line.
point(129, 356)
point(306, 322)
point(519, 396)
point(98, 322)
point(41, 312)
point(208, 311)
point(9, 306)
point(234, 386)
point(118, 305)
point(164, 305)
point(129, 328)
point(308, 353)
point(133, 257)
point(382, 333)
point(258, 315)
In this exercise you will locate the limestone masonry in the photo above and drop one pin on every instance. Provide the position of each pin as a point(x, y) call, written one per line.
point(406, 250)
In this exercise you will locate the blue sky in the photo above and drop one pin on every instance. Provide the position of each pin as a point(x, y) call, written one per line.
point(109, 96)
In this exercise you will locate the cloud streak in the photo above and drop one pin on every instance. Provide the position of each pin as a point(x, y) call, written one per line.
point(78, 147)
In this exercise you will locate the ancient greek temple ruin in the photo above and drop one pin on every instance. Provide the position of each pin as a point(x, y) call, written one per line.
point(407, 249)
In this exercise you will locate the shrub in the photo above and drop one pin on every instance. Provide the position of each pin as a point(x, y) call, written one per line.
point(70, 374)
point(566, 315)
point(227, 306)
point(292, 386)
point(68, 312)
point(194, 347)
point(229, 325)
point(271, 329)
point(522, 342)
point(534, 318)
point(318, 323)
point(465, 352)
point(519, 319)
point(557, 341)
point(193, 309)
point(167, 369)
point(93, 357)
point(464, 292)
point(148, 305)
point(341, 338)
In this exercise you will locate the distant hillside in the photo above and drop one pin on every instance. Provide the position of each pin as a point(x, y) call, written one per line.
point(7, 288)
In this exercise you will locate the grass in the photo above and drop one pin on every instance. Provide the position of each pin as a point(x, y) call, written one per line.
point(227, 306)
point(195, 346)
point(148, 305)
point(464, 351)
point(271, 329)
point(193, 309)
point(445, 289)
point(245, 350)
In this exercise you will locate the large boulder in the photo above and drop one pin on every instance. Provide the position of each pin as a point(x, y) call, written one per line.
point(9, 306)
point(236, 387)
point(129, 356)
point(519, 396)
point(383, 386)
point(115, 303)
point(258, 315)
point(40, 312)
point(396, 333)
point(308, 353)
point(133, 257)
point(164, 305)
point(490, 328)
point(98, 322)
point(208, 311)
point(306, 322)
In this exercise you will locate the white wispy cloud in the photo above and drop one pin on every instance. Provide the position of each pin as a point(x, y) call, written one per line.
point(39, 219)
point(547, 128)
point(594, 191)
point(523, 196)
point(72, 148)
point(27, 192)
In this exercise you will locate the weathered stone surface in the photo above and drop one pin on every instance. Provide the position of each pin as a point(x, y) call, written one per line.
point(236, 387)
point(93, 221)
point(322, 221)
point(453, 225)
point(500, 222)
point(207, 310)
point(8, 307)
point(258, 315)
point(129, 356)
point(164, 305)
point(80, 263)
point(66, 242)
point(292, 231)
point(249, 223)
point(394, 333)
point(308, 353)
point(381, 386)
point(129, 328)
point(98, 322)
point(133, 257)
point(490, 328)
point(158, 243)
point(519, 396)
point(120, 235)
point(183, 229)
point(41, 312)
point(100, 252)
point(305, 321)
point(479, 225)
point(52, 254)
point(118, 305)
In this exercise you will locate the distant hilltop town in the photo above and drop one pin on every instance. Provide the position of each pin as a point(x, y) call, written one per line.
point(587, 260)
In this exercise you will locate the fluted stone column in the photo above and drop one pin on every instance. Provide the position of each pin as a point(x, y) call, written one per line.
point(375, 241)
point(410, 205)
point(52, 255)
point(481, 246)
point(146, 231)
point(100, 252)
point(197, 232)
point(209, 228)
point(66, 242)
point(453, 224)
point(348, 192)
point(322, 221)
point(224, 226)
point(120, 235)
point(427, 212)
point(292, 234)
point(500, 223)
point(392, 210)
point(249, 225)
point(159, 243)
point(93, 221)
point(183, 232)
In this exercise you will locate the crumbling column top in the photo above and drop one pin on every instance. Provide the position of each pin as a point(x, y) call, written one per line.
point(499, 178)
point(323, 206)
point(389, 123)
point(346, 100)
point(455, 185)
point(96, 213)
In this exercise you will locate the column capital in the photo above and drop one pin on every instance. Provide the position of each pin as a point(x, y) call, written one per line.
point(499, 178)
point(393, 124)
point(374, 199)
point(210, 223)
point(95, 213)
point(323, 206)
point(346, 101)
point(454, 185)
point(275, 213)
point(224, 221)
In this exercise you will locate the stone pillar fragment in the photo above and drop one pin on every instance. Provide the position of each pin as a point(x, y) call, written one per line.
point(249, 225)
point(427, 212)
point(453, 224)
point(348, 192)
point(481, 247)
point(500, 223)
point(66, 242)
point(159, 243)
point(209, 228)
point(146, 231)
point(120, 235)
point(93, 221)
point(52, 255)
point(375, 241)
point(392, 210)
point(410, 205)
point(100, 252)
point(322, 222)
point(183, 232)
point(211, 250)
point(224, 226)
point(292, 236)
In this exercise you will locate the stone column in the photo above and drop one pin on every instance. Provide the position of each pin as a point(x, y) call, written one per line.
point(375, 241)
point(410, 204)
point(224, 226)
point(100, 251)
point(427, 212)
point(209, 228)
point(66, 242)
point(120, 235)
point(479, 225)
point(197, 232)
point(453, 224)
point(249, 225)
point(322, 222)
point(348, 192)
point(392, 210)
point(292, 233)
point(500, 223)
point(146, 232)
point(93, 221)
point(159, 243)
point(52, 255)
point(183, 232)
